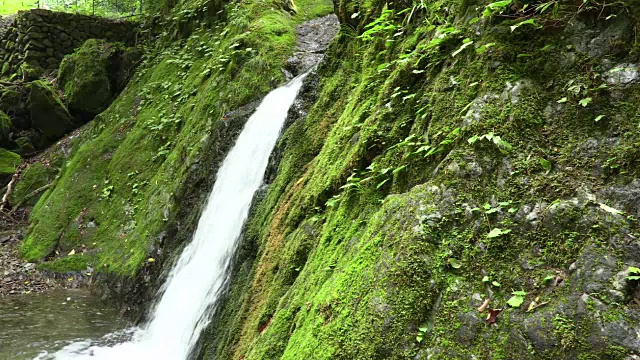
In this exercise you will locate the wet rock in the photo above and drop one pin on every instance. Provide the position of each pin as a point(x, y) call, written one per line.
point(622, 74)
point(313, 38)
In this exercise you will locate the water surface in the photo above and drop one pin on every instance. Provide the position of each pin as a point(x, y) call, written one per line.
point(32, 325)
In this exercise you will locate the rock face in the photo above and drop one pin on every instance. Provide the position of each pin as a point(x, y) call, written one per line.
point(451, 155)
point(47, 112)
point(94, 74)
point(41, 38)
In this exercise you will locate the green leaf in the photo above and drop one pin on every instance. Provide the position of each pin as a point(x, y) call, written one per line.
point(454, 263)
point(380, 184)
point(598, 118)
point(546, 164)
point(423, 329)
point(548, 278)
point(634, 270)
point(519, 293)
point(485, 279)
point(526, 22)
point(474, 20)
point(584, 102)
point(419, 338)
point(563, 100)
point(473, 139)
point(495, 232)
point(495, 283)
point(466, 43)
point(633, 278)
point(611, 210)
point(515, 301)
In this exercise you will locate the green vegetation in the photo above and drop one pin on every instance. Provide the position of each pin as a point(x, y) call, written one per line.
point(115, 194)
point(69, 264)
point(9, 161)
point(373, 238)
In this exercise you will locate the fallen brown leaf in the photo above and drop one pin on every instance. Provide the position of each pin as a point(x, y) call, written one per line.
point(492, 315)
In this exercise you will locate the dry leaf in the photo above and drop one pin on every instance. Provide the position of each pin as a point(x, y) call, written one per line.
point(492, 315)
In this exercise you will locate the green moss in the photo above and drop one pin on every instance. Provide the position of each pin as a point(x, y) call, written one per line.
point(379, 188)
point(67, 264)
point(9, 161)
point(115, 194)
point(33, 177)
point(47, 112)
point(88, 76)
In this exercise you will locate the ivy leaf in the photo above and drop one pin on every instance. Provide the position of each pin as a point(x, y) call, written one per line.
point(496, 284)
point(563, 100)
point(598, 118)
point(584, 102)
point(485, 279)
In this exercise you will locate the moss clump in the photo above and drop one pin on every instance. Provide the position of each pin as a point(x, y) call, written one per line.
point(86, 76)
point(67, 264)
point(48, 113)
point(9, 161)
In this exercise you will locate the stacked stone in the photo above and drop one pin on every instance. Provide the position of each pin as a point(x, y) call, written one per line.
point(41, 38)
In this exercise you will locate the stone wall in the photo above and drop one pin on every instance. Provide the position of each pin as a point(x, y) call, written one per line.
point(41, 38)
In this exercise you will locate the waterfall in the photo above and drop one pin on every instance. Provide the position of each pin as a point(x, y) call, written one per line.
point(193, 284)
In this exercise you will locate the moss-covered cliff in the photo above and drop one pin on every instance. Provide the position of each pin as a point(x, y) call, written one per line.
point(449, 160)
point(454, 152)
point(125, 184)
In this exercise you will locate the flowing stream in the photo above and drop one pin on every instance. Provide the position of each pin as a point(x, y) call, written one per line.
point(193, 284)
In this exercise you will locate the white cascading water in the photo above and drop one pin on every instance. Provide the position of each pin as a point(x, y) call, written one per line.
point(193, 284)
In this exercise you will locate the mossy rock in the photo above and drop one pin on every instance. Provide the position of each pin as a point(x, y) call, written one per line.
point(25, 146)
point(48, 113)
point(30, 72)
point(12, 102)
point(32, 178)
point(67, 264)
point(5, 129)
point(92, 75)
point(9, 161)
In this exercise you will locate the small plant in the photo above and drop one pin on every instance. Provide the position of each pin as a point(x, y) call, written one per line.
point(517, 299)
point(502, 144)
point(422, 331)
point(496, 232)
point(634, 273)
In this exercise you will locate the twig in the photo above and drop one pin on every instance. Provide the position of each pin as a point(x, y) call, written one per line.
point(5, 198)
point(29, 196)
